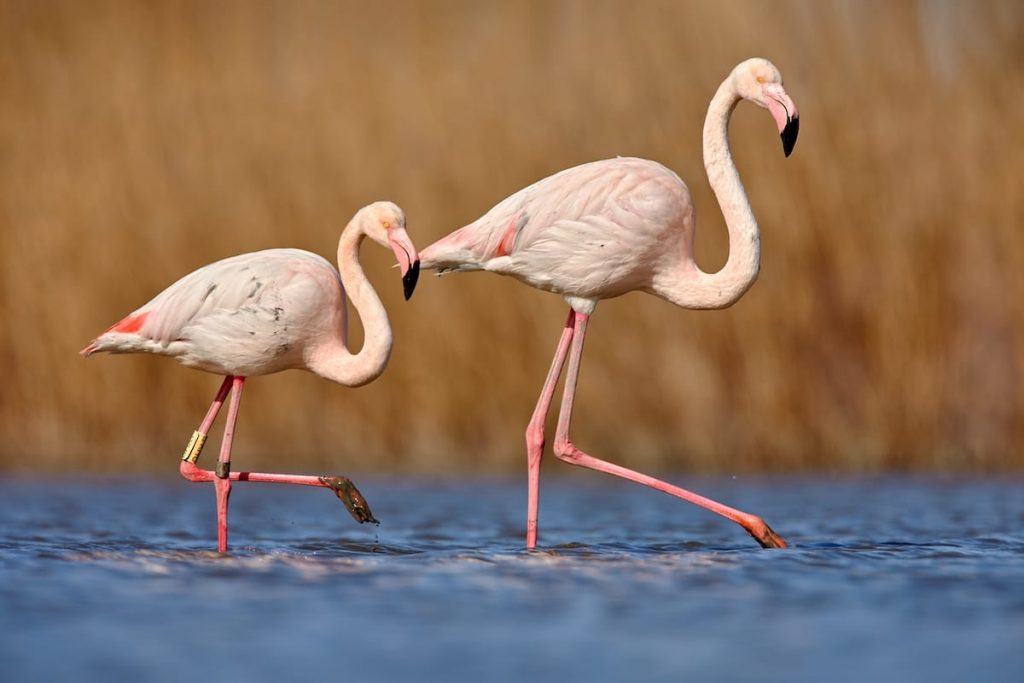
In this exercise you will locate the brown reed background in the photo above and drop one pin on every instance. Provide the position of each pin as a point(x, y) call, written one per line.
point(140, 140)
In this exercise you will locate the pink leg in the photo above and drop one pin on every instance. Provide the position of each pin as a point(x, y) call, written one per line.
point(565, 450)
point(222, 478)
point(198, 440)
point(535, 432)
point(222, 483)
point(218, 401)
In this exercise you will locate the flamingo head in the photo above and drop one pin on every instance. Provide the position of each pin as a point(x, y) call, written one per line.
point(384, 223)
point(759, 81)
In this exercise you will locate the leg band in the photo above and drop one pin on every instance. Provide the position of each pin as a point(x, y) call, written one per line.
point(223, 469)
point(194, 447)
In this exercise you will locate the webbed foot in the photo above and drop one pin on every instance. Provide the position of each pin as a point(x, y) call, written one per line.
point(347, 492)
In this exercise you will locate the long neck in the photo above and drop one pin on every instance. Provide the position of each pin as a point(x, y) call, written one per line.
point(334, 361)
point(721, 289)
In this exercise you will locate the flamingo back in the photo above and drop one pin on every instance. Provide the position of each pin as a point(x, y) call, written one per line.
point(247, 315)
point(594, 231)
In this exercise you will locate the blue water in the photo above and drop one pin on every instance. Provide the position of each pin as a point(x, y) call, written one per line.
point(888, 579)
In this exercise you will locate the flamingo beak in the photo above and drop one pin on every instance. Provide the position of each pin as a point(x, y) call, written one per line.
point(410, 278)
point(408, 260)
point(782, 109)
point(789, 133)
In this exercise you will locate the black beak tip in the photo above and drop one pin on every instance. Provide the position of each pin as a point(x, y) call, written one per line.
point(789, 134)
point(410, 278)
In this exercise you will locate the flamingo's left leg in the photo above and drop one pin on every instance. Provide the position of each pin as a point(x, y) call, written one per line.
point(198, 440)
point(567, 451)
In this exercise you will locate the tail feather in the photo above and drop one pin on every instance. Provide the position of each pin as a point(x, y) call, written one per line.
point(128, 326)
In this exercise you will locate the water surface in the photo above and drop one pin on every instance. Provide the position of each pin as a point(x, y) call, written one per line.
point(888, 579)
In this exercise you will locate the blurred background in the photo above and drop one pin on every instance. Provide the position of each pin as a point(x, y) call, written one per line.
point(139, 141)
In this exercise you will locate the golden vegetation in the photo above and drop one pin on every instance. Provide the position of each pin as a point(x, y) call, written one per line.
point(141, 140)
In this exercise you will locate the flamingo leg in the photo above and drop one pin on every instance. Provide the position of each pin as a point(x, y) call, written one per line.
point(195, 444)
point(567, 451)
point(535, 432)
point(343, 488)
point(222, 482)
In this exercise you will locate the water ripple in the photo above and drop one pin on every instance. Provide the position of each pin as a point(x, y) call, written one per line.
point(111, 579)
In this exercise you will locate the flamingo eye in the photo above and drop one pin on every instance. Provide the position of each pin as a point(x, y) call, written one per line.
point(760, 79)
point(387, 225)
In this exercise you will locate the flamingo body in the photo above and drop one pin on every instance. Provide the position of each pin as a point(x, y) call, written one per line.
point(247, 315)
point(595, 231)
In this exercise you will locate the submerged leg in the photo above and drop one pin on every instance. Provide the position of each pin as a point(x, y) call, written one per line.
point(535, 432)
point(565, 450)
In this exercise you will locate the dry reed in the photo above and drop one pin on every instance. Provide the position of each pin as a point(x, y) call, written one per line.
point(141, 140)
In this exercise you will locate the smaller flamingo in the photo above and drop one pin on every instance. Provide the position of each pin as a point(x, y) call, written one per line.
point(606, 228)
point(264, 312)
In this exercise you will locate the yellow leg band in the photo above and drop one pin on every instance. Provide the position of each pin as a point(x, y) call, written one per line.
point(194, 447)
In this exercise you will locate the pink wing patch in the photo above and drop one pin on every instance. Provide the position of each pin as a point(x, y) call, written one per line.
point(129, 325)
point(132, 323)
point(508, 240)
point(505, 245)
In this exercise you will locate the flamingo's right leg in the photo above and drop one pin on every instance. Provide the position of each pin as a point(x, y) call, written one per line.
point(222, 483)
point(535, 432)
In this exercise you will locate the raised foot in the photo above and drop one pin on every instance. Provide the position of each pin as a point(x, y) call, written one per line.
point(764, 535)
point(347, 492)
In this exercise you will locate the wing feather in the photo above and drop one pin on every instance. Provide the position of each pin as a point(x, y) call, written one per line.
point(240, 297)
point(587, 230)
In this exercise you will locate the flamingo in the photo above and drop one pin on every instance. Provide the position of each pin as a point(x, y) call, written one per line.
point(602, 229)
point(264, 312)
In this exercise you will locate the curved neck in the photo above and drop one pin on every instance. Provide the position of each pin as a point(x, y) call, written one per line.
point(334, 361)
point(721, 289)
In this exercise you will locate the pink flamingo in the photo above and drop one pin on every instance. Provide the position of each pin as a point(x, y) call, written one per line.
point(609, 227)
point(264, 312)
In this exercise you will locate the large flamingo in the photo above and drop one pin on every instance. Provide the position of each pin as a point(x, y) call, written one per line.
point(609, 227)
point(264, 312)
